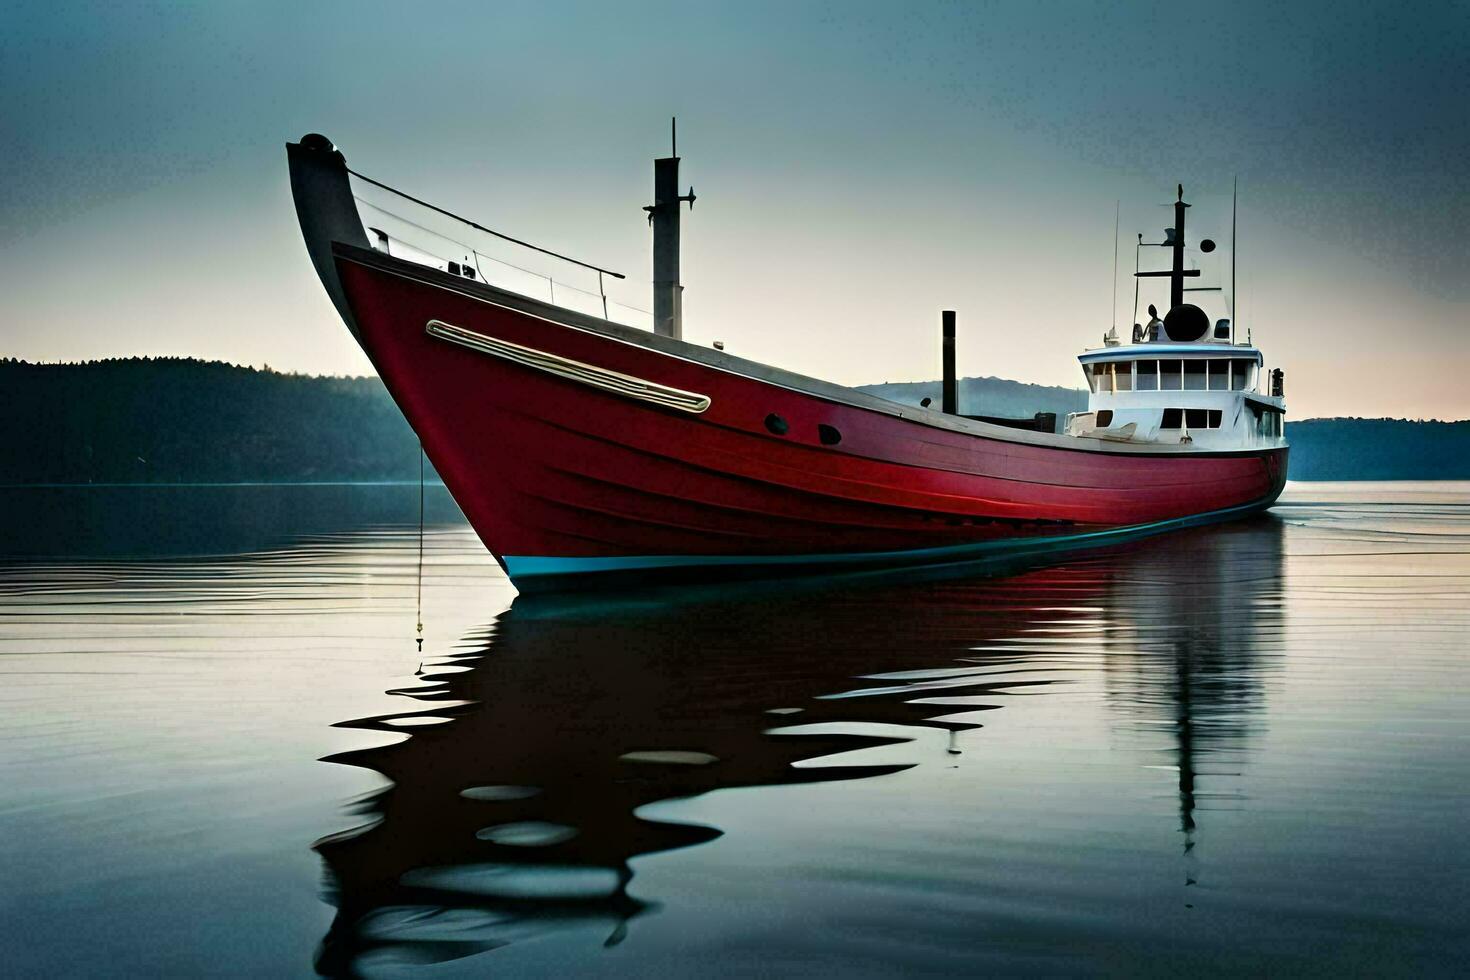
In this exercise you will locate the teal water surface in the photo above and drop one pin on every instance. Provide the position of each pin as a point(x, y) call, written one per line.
point(1225, 749)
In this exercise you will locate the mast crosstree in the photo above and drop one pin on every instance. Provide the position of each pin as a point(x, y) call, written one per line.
point(1174, 240)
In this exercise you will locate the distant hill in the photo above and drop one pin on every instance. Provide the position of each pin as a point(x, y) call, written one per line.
point(179, 420)
point(990, 396)
point(1379, 449)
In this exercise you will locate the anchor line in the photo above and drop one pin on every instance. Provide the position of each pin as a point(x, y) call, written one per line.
point(420, 598)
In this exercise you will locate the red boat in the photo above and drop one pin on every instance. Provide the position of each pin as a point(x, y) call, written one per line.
point(586, 452)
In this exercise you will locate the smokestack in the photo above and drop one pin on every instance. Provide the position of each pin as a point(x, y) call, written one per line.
point(951, 398)
point(663, 215)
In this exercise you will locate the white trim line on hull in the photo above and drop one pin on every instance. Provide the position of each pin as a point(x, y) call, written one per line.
point(564, 367)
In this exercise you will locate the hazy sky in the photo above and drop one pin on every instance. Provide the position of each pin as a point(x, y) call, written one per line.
point(859, 167)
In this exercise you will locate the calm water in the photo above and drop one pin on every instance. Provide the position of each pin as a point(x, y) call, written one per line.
point(1233, 748)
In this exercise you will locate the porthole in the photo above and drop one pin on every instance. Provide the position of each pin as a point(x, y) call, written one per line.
point(1105, 418)
point(829, 435)
point(777, 425)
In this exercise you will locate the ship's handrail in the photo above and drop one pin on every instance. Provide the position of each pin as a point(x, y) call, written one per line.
point(448, 251)
point(479, 227)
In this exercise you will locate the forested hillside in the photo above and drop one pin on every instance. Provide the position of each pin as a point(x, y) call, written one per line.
point(179, 420)
point(1379, 449)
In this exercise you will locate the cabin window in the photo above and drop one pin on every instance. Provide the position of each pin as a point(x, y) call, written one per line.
point(1192, 418)
point(1219, 375)
point(1171, 375)
point(1104, 418)
point(1123, 376)
point(1240, 374)
point(1194, 375)
point(1087, 372)
point(1148, 375)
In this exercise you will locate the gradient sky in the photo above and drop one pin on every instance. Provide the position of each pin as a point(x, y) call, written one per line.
point(859, 167)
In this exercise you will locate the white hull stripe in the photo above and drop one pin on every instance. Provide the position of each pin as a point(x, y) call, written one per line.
point(564, 367)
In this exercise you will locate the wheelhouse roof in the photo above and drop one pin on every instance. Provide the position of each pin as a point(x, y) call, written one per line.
point(1130, 352)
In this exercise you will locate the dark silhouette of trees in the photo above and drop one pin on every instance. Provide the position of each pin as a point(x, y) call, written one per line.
point(1379, 449)
point(179, 420)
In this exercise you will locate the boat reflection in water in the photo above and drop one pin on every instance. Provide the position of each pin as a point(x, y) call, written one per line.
point(517, 812)
point(1195, 631)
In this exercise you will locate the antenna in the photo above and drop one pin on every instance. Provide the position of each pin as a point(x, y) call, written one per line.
point(673, 136)
point(1136, 247)
point(1234, 303)
point(1117, 208)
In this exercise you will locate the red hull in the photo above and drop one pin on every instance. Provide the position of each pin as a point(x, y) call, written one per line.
point(559, 477)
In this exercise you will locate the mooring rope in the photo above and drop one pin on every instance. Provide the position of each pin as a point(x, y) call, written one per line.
point(420, 603)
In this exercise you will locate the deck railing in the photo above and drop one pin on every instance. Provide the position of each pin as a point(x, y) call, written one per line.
point(407, 227)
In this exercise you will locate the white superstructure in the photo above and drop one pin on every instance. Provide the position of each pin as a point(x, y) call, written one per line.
point(1181, 379)
point(1213, 395)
